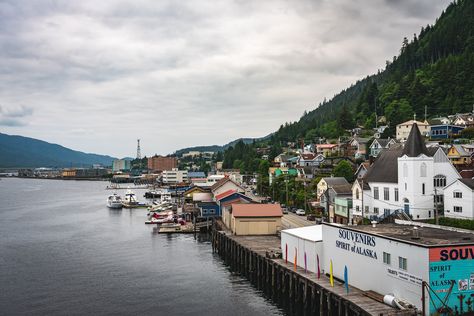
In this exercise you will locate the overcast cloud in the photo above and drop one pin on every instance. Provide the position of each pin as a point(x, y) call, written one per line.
point(96, 75)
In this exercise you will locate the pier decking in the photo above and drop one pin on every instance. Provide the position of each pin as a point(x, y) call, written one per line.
point(299, 291)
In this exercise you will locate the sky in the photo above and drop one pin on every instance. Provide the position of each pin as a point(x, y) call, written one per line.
point(96, 75)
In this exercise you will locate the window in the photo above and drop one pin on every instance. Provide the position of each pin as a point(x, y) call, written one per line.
point(366, 209)
point(457, 195)
point(386, 258)
point(405, 186)
point(422, 188)
point(376, 193)
point(386, 194)
point(439, 198)
point(402, 263)
point(439, 181)
point(357, 208)
point(458, 209)
point(429, 213)
point(423, 170)
point(376, 210)
point(396, 194)
point(405, 170)
point(357, 194)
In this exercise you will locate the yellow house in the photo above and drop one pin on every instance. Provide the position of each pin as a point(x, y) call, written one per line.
point(458, 155)
point(256, 219)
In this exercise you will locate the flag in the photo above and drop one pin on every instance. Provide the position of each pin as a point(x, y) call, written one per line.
point(331, 277)
point(319, 271)
point(346, 281)
point(305, 266)
point(296, 258)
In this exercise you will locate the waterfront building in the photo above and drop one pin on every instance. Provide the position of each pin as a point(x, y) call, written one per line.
point(400, 257)
point(160, 163)
point(256, 219)
point(225, 184)
point(174, 176)
point(208, 209)
point(404, 129)
point(460, 203)
point(225, 201)
point(189, 193)
point(409, 178)
point(121, 165)
point(445, 131)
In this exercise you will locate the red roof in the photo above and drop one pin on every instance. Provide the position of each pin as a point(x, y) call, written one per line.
point(256, 210)
point(225, 194)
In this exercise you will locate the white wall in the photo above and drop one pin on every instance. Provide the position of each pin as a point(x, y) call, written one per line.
point(380, 203)
point(312, 248)
point(367, 273)
point(466, 202)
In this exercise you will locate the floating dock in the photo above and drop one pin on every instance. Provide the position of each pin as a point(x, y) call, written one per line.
point(300, 292)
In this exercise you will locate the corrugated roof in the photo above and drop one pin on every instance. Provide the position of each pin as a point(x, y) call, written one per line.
point(224, 194)
point(256, 210)
point(335, 181)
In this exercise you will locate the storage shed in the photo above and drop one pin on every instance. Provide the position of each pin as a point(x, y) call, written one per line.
point(256, 219)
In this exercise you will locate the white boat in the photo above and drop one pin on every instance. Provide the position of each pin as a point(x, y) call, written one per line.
point(130, 199)
point(114, 201)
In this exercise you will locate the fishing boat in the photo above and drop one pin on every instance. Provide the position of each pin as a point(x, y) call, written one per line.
point(114, 201)
point(130, 199)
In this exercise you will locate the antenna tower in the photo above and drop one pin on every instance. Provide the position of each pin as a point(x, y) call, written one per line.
point(139, 154)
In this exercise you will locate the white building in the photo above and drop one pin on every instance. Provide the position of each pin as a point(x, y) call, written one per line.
point(174, 176)
point(459, 199)
point(409, 178)
point(390, 259)
point(404, 129)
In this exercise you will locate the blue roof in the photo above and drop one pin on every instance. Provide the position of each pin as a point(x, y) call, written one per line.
point(196, 174)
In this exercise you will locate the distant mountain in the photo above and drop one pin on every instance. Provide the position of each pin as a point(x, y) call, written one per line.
point(23, 152)
point(216, 148)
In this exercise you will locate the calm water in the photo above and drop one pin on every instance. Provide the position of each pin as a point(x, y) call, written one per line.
point(62, 251)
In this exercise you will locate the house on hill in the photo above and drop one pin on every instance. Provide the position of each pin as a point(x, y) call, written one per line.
point(380, 143)
point(404, 129)
point(328, 182)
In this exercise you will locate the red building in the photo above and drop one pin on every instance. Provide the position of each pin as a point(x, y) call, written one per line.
point(160, 163)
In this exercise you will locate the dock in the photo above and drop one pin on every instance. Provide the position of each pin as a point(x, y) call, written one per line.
point(258, 258)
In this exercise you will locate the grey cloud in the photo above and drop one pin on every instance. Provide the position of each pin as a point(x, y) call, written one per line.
point(181, 73)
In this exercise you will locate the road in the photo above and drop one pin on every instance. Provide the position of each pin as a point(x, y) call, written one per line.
point(292, 220)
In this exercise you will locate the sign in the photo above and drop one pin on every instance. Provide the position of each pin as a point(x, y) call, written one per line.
point(404, 276)
point(452, 278)
point(356, 242)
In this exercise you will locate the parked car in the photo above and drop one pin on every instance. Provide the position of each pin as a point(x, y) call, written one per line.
point(300, 212)
point(311, 217)
point(284, 210)
point(293, 209)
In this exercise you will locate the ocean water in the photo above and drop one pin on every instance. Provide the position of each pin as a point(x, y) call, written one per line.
point(63, 252)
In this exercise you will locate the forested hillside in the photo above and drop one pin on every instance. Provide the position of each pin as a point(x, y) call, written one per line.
point(434, 69)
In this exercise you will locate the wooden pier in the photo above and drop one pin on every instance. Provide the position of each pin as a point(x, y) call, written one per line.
point(299, 292)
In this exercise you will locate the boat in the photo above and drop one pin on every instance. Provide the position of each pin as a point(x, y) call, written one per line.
point(130, 199)
point(114, 201)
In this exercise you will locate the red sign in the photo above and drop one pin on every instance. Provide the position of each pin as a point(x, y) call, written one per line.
point(452, 253)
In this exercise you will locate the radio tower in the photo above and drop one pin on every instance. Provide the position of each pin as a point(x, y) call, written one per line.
point(139, 154)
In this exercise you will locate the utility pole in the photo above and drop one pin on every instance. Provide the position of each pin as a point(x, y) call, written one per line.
point(304, 184)
point(425, 113)
point(286, 181)
point(436, 207)
point(326, 194)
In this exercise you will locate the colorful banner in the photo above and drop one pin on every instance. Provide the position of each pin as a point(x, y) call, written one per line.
point(452, 279)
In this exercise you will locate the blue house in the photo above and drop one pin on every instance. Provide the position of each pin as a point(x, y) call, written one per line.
point(209, 209)
point(445, 131)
